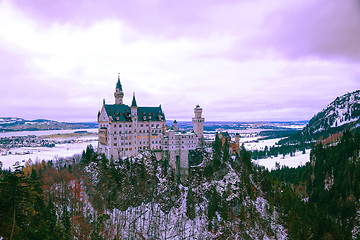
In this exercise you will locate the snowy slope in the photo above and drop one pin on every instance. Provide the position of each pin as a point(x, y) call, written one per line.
point(343, 110)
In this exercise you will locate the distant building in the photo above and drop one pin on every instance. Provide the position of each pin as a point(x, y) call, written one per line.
point(234, 146)
point(128, 130)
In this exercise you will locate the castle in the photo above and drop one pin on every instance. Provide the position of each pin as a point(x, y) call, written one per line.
point(126, 131)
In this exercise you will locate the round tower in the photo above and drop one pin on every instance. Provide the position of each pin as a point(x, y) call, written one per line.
point(198, 123)
point(118, 94)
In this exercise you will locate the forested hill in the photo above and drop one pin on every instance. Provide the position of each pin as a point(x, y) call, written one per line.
point(342, 113)
point(331, 184)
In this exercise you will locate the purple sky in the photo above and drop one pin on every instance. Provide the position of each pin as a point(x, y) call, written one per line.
point(240, 60)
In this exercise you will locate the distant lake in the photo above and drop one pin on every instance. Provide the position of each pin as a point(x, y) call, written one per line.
point(45, 132)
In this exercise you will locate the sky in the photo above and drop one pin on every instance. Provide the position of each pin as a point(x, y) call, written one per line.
point(243, 60)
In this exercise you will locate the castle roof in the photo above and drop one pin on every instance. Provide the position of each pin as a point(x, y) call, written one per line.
point(122, 113)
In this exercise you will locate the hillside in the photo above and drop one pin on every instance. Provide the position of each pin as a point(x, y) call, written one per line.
point(8, 124)
point(140, 198)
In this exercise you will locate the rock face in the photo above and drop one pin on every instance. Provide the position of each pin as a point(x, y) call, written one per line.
point(341, 112)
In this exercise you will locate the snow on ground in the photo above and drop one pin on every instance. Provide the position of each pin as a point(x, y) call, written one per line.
point(298, 160)
point(44, 153)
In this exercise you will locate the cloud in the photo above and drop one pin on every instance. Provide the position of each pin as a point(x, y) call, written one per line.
point(319, 28)
point(240, 60)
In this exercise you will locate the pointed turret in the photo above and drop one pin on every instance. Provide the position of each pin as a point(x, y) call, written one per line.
point(175, 125)
point(118, 94)
point(133, 103)
point(118, 84)
point(134, 108)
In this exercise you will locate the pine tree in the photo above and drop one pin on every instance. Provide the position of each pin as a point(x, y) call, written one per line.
point(216, 153)
point(190, 205)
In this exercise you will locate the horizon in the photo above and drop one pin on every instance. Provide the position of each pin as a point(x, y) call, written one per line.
point(170, 120)
point(240, 61)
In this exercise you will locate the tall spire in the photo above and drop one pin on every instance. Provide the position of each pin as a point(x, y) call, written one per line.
point(133, 104)
point(118, 94)
point(118, 84)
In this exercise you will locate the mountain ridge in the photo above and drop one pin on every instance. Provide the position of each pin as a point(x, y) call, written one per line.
point(342, 113)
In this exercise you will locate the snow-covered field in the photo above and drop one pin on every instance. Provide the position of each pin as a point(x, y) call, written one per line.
point(45, 153)
point(298, 160)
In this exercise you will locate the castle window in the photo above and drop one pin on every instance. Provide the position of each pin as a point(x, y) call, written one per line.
point(115, 144)
point(138, 137)
point(115, 138)
point(129, 138)
point(141, 125)
point(126, 149)
point(115, 126)
point(129, 131)
point(129, 125)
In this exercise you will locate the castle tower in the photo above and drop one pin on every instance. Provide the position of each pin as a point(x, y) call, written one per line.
point(118, 94)
point(198, 123)
point(237, 143)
